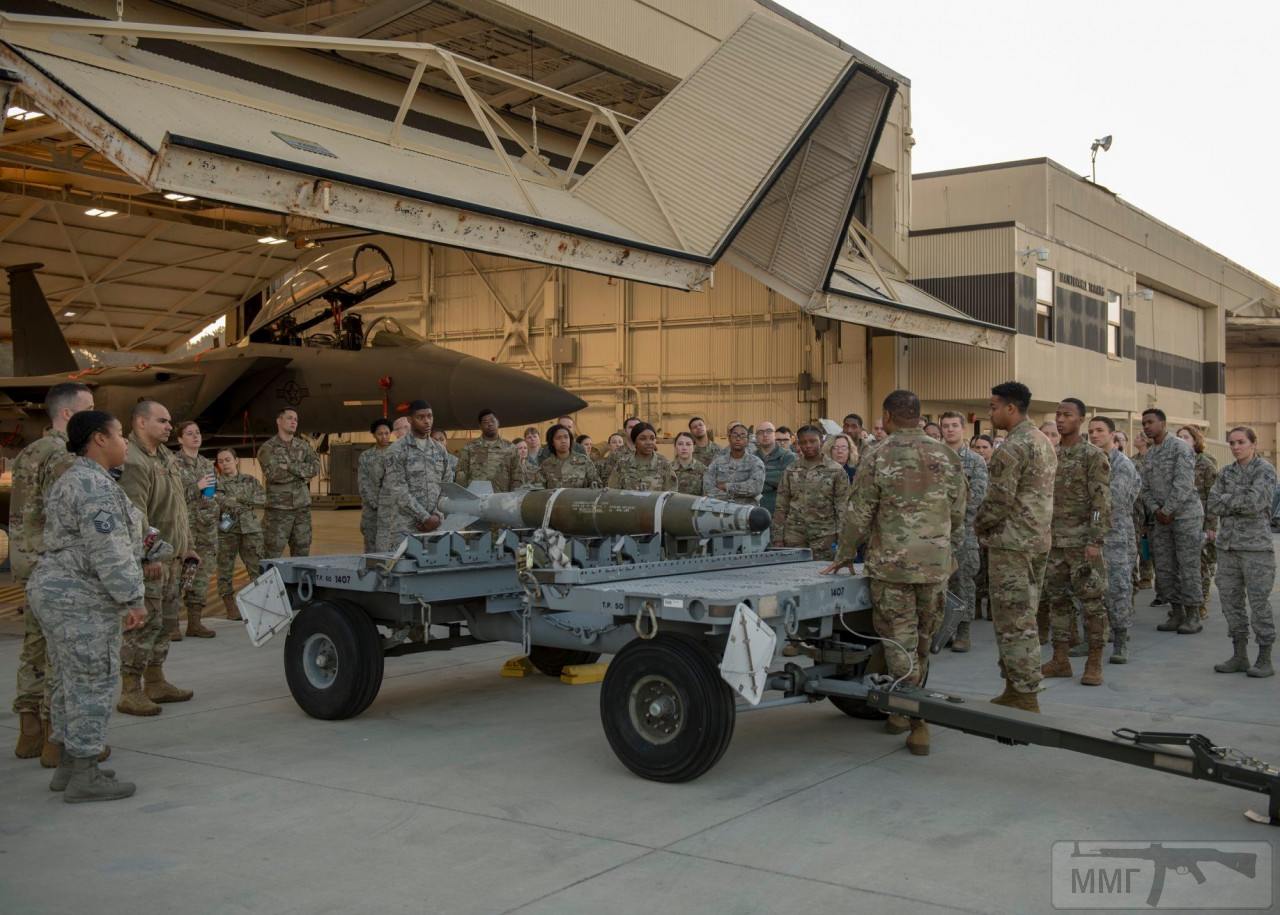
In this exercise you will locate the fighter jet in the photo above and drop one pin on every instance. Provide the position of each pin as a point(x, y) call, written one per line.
point(235, 392)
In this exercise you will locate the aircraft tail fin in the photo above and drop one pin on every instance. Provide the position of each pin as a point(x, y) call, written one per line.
point(38, 345)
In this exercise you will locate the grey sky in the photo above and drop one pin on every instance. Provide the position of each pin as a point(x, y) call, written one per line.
point(1184, 87)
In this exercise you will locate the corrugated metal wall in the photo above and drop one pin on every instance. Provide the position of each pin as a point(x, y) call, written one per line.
point(1253, 395)
point(980, 251)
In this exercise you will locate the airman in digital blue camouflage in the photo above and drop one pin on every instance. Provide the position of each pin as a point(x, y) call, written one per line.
point(34, 471)
point(370, 470)
point(963, 581)
point(644, 470)
point(1169, 494)
point(411, 488)
point(811, 499)
point(1014, 524)
point(441, 438)
point(288, 465)
point(1242, 498)
point(906, 500)
point(1206, 473)
point(1076, 571)
point(735, 475)
point(490, 458)
point(1118, 547)
point(88, 578)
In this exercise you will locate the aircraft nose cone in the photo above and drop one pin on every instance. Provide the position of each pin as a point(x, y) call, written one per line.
point(517, 397)
point(759, 519)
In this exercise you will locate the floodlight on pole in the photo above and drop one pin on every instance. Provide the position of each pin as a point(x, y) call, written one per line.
point(1104, 144)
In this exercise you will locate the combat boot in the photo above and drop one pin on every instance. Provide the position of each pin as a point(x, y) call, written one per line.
point(175, 631)
point(918, 739)
point(195, 627)
point(1262, 667)
point(62, 774)
point(89, 783)
point(1204, 612)
point(897, 724)
point(1158, 601)
point(961, 641)
point(1238, 663)
point(133, 701)
point(229, 604)
point(1120, 653)
point(1027, 702)
point(1174, 620)
point(1079, 650)
point(1059, 665)
point(1190, 621)
point(1092, 675)
point(51, 752)
point(159, 689)
point(30, 736)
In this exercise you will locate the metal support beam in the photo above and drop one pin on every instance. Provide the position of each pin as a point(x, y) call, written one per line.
point(79, 261)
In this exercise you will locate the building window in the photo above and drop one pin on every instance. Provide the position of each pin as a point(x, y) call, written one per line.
point(1113, 324)
point(1044, 303)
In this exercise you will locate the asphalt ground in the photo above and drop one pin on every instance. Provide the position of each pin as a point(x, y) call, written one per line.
point(460, 791)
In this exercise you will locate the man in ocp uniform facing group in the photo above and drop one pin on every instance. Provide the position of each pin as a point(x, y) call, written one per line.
point(907, 497)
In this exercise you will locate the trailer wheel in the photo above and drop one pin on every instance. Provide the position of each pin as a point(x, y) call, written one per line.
point(333, 660)
point(666, 713)
point(553, 661)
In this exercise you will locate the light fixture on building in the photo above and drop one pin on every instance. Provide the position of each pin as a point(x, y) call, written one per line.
point(271, 240)
point(178, 198)
point(68, 314)
point(22, 114)
point(1103, 144)
point(1041, 254)
point(1142, 292)
point(101, 212)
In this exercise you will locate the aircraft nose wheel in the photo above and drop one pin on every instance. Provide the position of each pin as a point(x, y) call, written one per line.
point(666, 713)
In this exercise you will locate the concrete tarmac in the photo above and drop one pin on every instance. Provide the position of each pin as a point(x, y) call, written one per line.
point(459, 791)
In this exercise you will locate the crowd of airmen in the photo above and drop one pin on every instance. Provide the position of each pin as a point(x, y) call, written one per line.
point(114, 534)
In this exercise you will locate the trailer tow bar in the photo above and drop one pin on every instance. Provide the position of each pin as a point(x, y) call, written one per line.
point(1189, 755)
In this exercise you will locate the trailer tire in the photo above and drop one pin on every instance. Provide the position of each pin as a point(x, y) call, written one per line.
point(553, 661)
point(666, 712)
point(333, 660)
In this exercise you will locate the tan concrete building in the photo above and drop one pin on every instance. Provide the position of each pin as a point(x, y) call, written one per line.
point(1110, 304)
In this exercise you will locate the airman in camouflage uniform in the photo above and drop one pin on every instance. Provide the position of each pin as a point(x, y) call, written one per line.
point(689, 476)
point(1242, 498)
point(153, 482)
point(1014, 525)
point(490, 458)
point(1169, 494)
point(89, 576)
point(1206, 473)
point(906, 500)
point(1144, 572)
point(370, 470)
point(288, 465)
point(1081, 521)
point(415, 473)
point(202, 518)
point(35, 469)
point(735, 475)
point(705, 450)
point(811, 499)
point(239, 496)
point(1119, 545)
point(651, 474)
point(577, 471)
point(963, 582)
